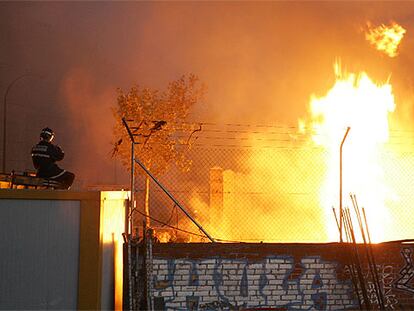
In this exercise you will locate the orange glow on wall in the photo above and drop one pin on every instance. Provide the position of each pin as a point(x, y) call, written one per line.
point(112, 227)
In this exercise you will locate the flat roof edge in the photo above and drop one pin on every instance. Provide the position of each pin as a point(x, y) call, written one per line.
point(34, 194)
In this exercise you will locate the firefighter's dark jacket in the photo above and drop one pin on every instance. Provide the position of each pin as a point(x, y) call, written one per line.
point(44, 156)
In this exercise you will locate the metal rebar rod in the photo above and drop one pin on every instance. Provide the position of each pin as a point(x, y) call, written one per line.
point(369, 259)
point(173, 199)
point(381, 295)
point(358, 265)
point(352, 266)
point(370, 256)
point(336, 219)
point(340, 183)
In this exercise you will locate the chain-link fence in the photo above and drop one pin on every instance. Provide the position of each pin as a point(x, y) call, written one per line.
point(270, 194)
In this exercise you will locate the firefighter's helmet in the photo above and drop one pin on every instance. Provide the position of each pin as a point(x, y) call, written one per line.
point(47, 134)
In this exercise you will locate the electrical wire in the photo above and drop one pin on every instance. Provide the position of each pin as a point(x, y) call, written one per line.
point(196, 234)
point(247, 125)
point(169, 226)
point(172, 213)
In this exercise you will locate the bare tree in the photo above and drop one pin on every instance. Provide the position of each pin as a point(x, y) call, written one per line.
point(162, 130)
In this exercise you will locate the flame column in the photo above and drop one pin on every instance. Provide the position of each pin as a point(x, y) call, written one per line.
point(216, 195)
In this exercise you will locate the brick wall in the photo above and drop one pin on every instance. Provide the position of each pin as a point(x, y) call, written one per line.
point(275, 276)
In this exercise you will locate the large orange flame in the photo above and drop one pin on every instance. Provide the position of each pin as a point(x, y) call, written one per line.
point(357, 102)
point(386, 38)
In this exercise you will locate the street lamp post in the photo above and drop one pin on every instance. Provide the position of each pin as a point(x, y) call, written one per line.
point(340, 186)
point(5, 117)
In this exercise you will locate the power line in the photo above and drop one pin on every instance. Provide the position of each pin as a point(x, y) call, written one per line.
point(168, 225)
point(193, 233)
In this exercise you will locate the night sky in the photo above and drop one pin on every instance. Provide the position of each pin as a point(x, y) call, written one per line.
point(261, 62)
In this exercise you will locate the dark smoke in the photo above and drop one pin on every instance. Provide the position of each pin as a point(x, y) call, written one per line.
point(261, 62)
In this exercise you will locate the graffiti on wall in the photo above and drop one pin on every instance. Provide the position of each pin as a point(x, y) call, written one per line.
point(275, 282)
point(386, 280)
point(407, 272)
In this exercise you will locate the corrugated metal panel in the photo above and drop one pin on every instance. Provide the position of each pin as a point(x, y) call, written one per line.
point(39, 254)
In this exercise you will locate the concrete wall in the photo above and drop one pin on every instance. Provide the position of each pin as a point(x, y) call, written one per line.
point(275, 276)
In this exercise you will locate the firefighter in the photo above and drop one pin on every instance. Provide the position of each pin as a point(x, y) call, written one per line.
point(45, 155)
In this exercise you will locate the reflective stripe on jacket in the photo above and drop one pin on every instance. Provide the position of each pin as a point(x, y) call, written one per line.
point(44, 156)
